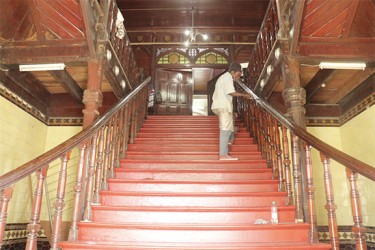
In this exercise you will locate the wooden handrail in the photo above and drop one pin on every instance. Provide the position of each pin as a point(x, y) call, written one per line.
point(337, 155)
point(41, 161)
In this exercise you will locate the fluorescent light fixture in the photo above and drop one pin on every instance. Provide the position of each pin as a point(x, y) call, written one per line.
point(342, 65)
point(42, 67)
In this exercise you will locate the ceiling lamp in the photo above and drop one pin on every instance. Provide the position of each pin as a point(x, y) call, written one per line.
point(42, 67)
point(191, 33)
point(342, 65)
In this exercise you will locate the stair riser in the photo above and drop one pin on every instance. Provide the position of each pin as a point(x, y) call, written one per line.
point(187, 217)
point(186, 156)
point(192, 176)
point(194, 236)
point(186, 135)
point(191, 188)
point(108, 199)
point(190, 148)
point(219, 165)
point(191, 141)
point(184, 129)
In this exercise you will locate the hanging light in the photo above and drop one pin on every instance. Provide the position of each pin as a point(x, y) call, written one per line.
point(191, 33)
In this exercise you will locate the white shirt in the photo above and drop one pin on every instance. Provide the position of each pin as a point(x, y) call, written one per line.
point(221, 98)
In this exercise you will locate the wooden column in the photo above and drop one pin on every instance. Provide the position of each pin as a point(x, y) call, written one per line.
point(92, 96)
point(295, 97)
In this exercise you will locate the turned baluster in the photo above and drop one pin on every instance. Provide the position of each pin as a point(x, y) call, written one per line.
point(253, 122)
point(132, 122)
point(310, 196)
point(275, 169)
point(90, 178)
point(122, 133)
point(107, 171)
point(99, 168)
point(267, 130)
point(297, 174)
point(113, 142)
point(278, 152)
point(111, 159)
point(119, 135)
point(288, 172)
point(330, 205)
point(126, 125)
point(78, 188)
point(262, 135)
point(59, 204)
point(258, 129)
point(116, 140)
point(5, 196)
point(358, 229)
point(34, 225)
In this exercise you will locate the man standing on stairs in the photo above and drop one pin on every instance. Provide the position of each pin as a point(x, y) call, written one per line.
point(222, 106)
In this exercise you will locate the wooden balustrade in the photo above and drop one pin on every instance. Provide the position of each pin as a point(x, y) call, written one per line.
point(96, 145)
point(264, 44)
point(273, 133)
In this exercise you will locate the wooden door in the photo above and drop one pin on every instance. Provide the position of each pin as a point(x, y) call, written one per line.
point(176, 89)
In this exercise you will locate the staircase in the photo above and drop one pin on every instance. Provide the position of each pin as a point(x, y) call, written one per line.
point(171, 192)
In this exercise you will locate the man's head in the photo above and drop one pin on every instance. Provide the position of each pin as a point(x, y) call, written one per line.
point(235, 70)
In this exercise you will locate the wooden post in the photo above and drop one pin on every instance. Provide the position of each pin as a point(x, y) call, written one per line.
point(92, 96)
point(330, 206)
point(99, 168)
point(295, 97)
point(5, 196)
point(59, 204)
point(90, 178)
point(78, 188)
point(311, 197)
point(358, 229)
point(297, 177)
point(278, 153)
point(34, 225)
point(288, 173)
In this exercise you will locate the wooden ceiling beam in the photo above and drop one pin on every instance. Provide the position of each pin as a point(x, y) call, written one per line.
point(316, 82)
point(67, 51)
point(321, 48)
point(69, 84)
point(349, 85)
point(27, 87)
point(37, 21)
point(358, 94)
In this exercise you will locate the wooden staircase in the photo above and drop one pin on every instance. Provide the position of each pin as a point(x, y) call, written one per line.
point(171, 192)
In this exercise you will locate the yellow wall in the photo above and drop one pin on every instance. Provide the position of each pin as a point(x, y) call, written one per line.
point(356, 138)
point(22, 138)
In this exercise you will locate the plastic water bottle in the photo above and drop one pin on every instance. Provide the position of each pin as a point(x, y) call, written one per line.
point(274, 215)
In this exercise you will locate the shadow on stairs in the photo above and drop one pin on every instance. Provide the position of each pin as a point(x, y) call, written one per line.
point(172, 192)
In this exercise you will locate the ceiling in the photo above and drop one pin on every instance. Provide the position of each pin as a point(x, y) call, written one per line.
point(47, 31)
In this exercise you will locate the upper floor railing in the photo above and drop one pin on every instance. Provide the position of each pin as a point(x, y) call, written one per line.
point(289, 156)
point(264, 45)
point(98, 148)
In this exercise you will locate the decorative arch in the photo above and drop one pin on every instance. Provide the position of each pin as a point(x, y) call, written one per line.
point(211, 57)
point(174, 57)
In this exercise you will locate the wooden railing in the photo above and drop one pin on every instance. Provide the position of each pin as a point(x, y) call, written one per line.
point(121, 46)
point(264, 45)
point(99, 146)
point(270, 130)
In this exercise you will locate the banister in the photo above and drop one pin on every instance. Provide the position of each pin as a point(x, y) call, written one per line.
point(333, 153)
point(43, 160)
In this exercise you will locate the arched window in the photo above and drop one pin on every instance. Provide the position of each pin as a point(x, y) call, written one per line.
point(173, 58)
point(211, 58)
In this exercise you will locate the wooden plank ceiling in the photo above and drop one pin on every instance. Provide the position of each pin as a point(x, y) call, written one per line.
point(330, 30)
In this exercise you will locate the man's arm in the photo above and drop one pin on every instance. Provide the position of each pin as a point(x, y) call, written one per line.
point(241, 94)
